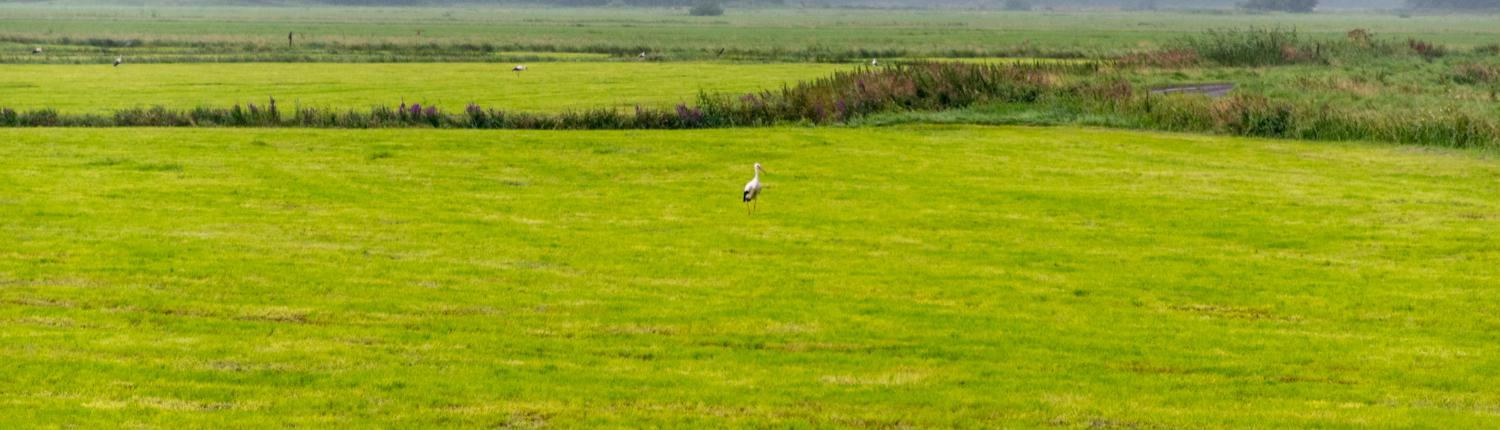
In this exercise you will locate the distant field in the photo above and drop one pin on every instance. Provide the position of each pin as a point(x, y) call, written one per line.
point(764, 33)
point(543, 87)
point(895, 277)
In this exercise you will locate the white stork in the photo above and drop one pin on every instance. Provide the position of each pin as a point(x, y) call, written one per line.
point(643, 55)
point(874, 62)
point(119, 60)
point(752, 189)
point(36, 50)
point(518, 69)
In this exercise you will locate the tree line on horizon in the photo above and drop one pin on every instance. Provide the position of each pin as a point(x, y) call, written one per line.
point(1454, 4)
point(1265, 5)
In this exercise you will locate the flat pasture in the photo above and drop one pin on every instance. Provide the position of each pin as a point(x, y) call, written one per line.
point(547, 86)
point(921, 276)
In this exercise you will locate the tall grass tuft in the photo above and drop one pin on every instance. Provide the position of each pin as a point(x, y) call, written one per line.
point(1476, 74)
point(1255, 47)
point(1251, 47)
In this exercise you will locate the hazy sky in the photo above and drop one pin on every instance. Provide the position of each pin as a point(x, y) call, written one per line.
point(1194, 4)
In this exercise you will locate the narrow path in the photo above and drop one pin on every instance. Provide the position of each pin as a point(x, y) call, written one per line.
point(1211, 90)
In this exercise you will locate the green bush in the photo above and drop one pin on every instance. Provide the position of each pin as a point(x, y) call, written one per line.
point(706, 8)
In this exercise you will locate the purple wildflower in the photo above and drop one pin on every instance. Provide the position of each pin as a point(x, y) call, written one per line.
point(691, 116)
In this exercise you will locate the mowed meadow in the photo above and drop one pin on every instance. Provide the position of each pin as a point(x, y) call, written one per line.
point(914, 276)
point(350, 259)
point(543, 87)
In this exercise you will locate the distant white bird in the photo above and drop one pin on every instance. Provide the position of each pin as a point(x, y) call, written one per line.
point(36, 50)
point(518, 69)
point(119, 60)
point(874, 62)
point(752, 189)
point(643, 55)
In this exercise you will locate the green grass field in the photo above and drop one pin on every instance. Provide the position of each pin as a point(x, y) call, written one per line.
point(544, 87)
point(926, 276)
point(899, 273)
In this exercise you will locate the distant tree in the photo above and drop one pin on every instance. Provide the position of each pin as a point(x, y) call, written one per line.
point(1298, 6)
point(1454, 4)
point(1017, 5)
point(706, 8)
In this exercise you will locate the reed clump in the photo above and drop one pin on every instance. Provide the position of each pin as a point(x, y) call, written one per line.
point(1476, 74)
point(1255, 47)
